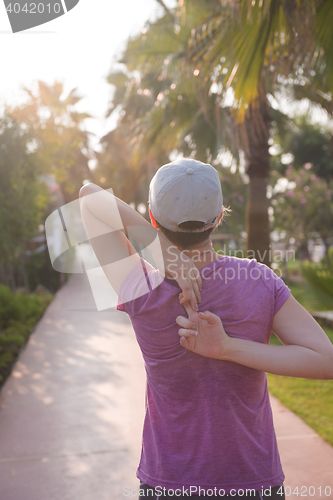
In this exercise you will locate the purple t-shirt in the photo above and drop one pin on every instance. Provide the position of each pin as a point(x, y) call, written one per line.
point(208, 422)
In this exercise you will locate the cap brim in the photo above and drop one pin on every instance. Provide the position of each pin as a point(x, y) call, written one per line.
point(198, 230)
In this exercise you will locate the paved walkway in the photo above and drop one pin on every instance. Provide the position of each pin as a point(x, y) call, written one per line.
point(71, 413)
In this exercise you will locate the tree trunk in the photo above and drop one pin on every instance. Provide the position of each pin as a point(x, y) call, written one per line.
point(327, 254)
point(257, 127)
point(303, 250)
point(23, 273)
point(285, 259)
point(257, 222)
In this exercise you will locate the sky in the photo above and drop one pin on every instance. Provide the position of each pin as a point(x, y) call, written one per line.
point(77, 49)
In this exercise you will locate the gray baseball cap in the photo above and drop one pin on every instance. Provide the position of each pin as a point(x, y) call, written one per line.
point(186, 190)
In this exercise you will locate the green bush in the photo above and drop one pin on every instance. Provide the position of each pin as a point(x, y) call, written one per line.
point(18, 315)
point(40, 271)
point(9, 308)
point(320, 276)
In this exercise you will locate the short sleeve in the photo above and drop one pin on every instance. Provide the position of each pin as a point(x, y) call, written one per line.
point(134, 286)
point(281, 293)
point(137, 285)
point(276, 285)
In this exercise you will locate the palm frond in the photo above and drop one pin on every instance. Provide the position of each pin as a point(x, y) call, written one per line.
point(245, 42)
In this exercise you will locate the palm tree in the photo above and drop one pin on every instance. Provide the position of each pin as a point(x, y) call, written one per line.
point(121, 164)
point(182, 111)
point(193, 56)
point(249, 46)
point(162, 109)
point(59, 139)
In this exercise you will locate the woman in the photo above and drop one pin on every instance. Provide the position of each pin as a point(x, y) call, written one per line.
point(208, 430)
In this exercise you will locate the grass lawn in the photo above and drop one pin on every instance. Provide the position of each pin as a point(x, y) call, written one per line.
point(311, 400)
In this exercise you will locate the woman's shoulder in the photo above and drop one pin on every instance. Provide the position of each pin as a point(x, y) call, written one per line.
point(241, 262)
point(247, 269)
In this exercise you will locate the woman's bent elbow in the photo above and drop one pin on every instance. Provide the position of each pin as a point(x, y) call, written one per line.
point(85, 190)
point(328, 363)
point(330, 371)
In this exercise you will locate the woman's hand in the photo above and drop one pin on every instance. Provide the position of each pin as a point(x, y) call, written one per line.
point(203, 333)
point(181, 268)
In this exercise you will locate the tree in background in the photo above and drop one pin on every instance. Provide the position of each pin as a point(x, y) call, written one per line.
point(23, 199)
point(254, 47)
point(303, 205)
point(158, 114)
point(313, 144)
point(234, 189)
point(161, 110)
point(58, 136)
point(307, 142)
point(200, 54)
point(122, 165)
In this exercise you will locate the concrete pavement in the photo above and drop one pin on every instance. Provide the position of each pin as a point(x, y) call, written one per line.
point(307, 460)
point(71, 412)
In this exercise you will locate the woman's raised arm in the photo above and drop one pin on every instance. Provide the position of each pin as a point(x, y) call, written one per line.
point(108, 220)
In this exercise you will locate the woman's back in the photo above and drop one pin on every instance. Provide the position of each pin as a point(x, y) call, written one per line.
point(207, 418)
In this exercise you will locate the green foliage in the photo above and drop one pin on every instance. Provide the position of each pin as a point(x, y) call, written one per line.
point(60, 141)
point(173, 92)
point(320, 276)
point(312, 144)
point(311, 298)
point(22, 196)
point(302, 204)
point(239, 41)
point(40, 271)
point(311, 400)
point(234, 196)
point(253, 43)
point(18, 315)
point(163, 107)
point(8, 306)
point(40, 139)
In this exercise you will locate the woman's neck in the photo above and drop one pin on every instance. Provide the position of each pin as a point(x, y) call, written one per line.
point(201, 254)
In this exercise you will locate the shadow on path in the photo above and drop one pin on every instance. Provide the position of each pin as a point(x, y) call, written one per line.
point(72, 410)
